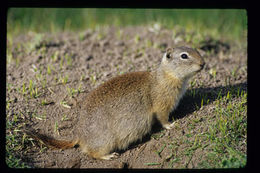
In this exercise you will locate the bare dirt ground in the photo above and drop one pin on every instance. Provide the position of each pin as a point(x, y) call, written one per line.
point(49, 72)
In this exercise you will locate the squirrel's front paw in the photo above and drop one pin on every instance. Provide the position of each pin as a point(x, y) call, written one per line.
point(169, 125)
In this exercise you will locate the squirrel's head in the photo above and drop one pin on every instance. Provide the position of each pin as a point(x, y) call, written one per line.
point(182, 62)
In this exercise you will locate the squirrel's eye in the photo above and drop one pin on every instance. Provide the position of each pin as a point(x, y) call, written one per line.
point(184, 56)
point(168, 56)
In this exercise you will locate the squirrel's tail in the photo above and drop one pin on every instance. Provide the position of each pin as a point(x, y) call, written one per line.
point(50, 142)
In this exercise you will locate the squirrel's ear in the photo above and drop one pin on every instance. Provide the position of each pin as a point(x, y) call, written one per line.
point(169, 53)
point(169, 50)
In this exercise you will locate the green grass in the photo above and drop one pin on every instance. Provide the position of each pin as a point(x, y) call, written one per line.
point(228, 132)
point(226, 135)
point(14, 143)
point(222, 22)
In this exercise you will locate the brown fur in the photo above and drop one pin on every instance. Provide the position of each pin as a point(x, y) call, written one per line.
point(121, 111)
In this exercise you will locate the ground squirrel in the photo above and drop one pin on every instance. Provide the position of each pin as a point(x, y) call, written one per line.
point(122, 110)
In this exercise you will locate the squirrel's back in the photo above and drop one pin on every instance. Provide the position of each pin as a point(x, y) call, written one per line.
point(114, 91)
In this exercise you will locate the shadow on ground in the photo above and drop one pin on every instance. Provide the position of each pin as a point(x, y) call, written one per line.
point(190, 103)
